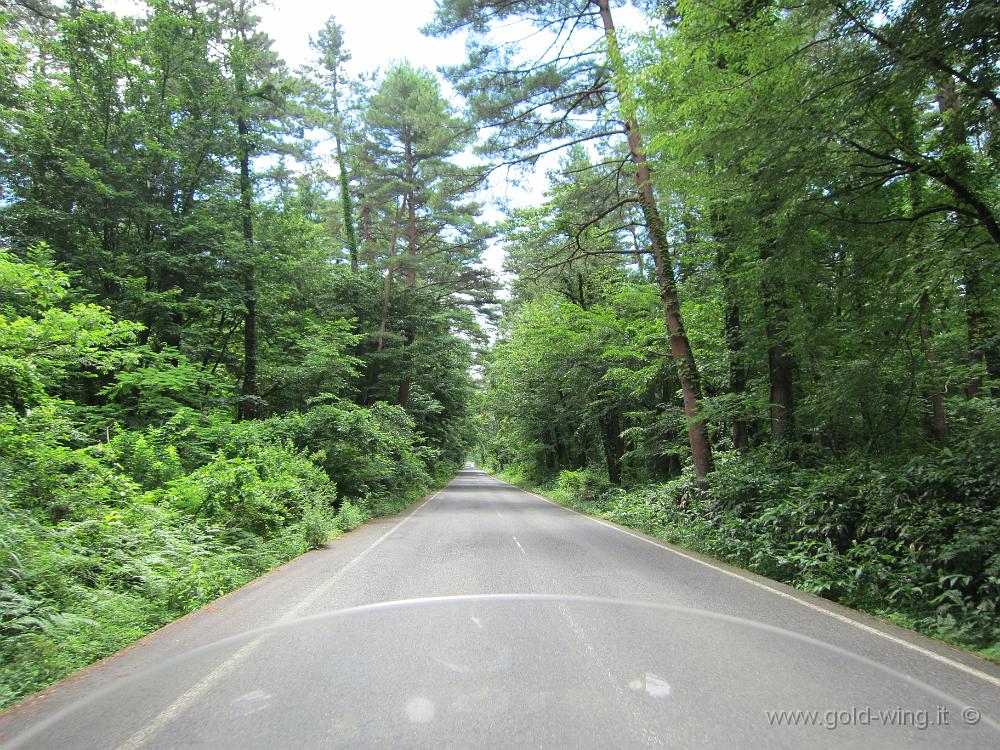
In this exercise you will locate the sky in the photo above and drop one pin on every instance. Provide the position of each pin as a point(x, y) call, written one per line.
point(377, 32)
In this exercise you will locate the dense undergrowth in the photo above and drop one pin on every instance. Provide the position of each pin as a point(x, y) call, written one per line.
point(913, 541)
point(103, 544)
point(125, 509)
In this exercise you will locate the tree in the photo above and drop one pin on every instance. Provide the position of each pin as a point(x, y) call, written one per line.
point(411, 180)
point(258, 100)
point(566, 96)
point(333, 55)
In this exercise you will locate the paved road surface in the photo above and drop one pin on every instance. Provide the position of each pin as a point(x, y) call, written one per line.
point(703, 656)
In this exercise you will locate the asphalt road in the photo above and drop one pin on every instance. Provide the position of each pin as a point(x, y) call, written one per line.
point(487, 616)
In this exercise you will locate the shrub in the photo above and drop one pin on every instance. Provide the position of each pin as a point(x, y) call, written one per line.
point(349, 516)
point(583, 484)
point(260, 492)
point(317, 526)
point(373, 451)
point(147, 464)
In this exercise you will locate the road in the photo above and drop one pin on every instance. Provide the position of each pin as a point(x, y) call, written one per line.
point(489, 617)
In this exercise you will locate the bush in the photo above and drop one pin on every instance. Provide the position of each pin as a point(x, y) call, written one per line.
point(586, 485)
point(349, 516)
point(372, 452)
point(147, 464)
point(261, 492)
point(317, 526)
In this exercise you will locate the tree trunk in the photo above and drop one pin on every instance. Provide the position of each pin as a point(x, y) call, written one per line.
point(411, 268)
point(248, 408)
point(346, 208)
point(934, 394)
point(732, 332)
point(614, 447)
point(977, 325)
point(780, 367)
point(403, 397)
point(680, 346)
point(737, 370)
point(374, 369)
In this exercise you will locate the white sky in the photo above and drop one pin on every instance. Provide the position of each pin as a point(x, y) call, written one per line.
point(377, 32)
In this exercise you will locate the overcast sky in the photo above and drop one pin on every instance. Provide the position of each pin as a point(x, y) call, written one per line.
point(377, 32)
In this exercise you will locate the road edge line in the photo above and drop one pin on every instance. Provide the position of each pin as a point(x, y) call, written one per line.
point(183, 701)
point(941, 658)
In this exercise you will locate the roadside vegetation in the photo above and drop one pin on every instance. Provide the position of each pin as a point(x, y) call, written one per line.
point(890, 544)
point(211, 362)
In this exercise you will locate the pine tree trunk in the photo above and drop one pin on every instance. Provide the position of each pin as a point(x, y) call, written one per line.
point(737, 371)
point(248, 408)
point(374, 369)
point(680, 346)
point(732, 331)
point(935, 394)
point(976, 321)
point(780, 366)
point(403, 397)
point(346, 208)
point(780, 369)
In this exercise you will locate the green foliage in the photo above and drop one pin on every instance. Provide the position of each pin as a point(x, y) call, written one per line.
point(146, 463)
point(144, 275)
point(158, 384)
point(128, 497)
point(318, 527)
point(46, 349)
point(826, 177)
point(582, 484)
point(262, 491)
point(349, 517)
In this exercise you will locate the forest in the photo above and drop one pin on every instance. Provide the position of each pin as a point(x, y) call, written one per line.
point(755, 310)
point(210, 361)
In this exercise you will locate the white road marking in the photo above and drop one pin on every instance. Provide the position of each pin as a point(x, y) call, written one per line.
point(519, 545)
point(835, 615)
point(191, 695)
point(651, 738)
